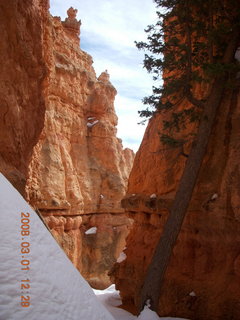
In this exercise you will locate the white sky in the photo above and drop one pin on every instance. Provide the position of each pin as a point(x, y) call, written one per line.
point(109, 29)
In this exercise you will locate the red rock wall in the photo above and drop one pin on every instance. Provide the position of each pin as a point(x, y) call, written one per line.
point(202, 280)
point(79, 168)
point(58, 141)
point(21, 78)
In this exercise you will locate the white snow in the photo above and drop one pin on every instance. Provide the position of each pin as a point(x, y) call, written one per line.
point(237, 54)
point(101, 196)
point(91, 118)
point(121, 257)
point(192, 294)
point(57, 290)
point(153, 196)
point(148, 314)
point(214, 196)
point(110, 298)
point(91, 124)
point(237, 57)
point(92, 230)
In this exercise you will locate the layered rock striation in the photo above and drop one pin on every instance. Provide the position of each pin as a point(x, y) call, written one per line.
point(58, 135)
point(203, 275)
point(23, 69)
point(79, 171)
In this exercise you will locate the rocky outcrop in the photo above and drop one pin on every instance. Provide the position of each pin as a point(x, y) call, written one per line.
point(78, 164)
point(58, 132)
point(78, 167)
point(22, 74)
point(203, 275)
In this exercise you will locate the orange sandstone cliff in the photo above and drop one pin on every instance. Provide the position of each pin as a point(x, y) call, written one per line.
point(58, 136)
point(202, 279)
point(22, 73)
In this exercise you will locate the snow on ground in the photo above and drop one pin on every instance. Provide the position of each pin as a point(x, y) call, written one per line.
point(37, 280)
point(52, 287)
point(111, 300)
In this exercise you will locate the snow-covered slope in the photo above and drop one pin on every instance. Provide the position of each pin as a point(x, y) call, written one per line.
point(37, 281)
point(110, 298)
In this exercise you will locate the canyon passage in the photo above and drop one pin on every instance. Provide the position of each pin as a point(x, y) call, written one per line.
point(105, 206)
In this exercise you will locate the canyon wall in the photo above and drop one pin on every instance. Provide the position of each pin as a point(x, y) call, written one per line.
point(22, 74)
point(202, 279)
point(58, 138)
point(79, 171)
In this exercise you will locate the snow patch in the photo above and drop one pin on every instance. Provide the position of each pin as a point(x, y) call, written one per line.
point(148, 314)
point(56, 288)
point(91, 124)
point(92, 230)
point(214, 196)
point(110, 298)
point(237, 54)
point(148, 303)
point(121, 257)
point(153, 196)
point(192, 294)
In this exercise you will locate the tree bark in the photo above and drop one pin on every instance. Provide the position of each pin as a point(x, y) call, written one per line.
point(151, 289)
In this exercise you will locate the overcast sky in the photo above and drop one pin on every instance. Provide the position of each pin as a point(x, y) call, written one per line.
point(108, 31)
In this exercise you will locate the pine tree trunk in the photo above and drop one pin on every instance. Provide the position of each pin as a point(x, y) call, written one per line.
point(152, 285)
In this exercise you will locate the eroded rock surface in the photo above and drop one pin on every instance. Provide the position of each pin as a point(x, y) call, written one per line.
point(79, 168)
point(203, 276)
point(58, 133)
point(23, 69)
